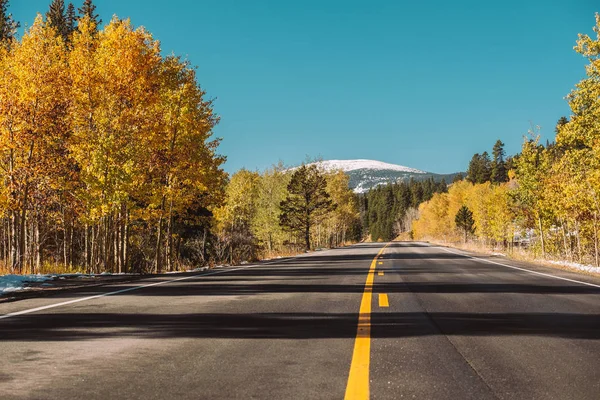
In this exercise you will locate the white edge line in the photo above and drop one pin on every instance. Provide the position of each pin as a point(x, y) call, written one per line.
point(65, 303)
point(520, 269)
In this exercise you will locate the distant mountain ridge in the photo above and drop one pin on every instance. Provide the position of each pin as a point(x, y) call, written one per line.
point(367, 174)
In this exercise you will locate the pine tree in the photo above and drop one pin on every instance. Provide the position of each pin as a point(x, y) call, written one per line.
point(57, 18)
point(473, 170)
point(306, 203)
point(8, 26)
point(458, 177)
point(464, 221)
point(88, 9)
point(479, 170)
point(71, 19)
point(562, 121)
point(498, 172)
point(486, 168)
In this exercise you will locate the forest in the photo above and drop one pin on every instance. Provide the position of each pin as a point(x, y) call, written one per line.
point(107, 159)
point(388, 210)
point(108, 163)
point(544, 199)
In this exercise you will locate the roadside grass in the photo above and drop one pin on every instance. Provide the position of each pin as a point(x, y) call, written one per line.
point(46, 268)
point(517, 254)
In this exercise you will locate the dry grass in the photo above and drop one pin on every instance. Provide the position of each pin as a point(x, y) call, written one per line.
point(517, 254)
point(4, 269)
point(45, 269)
point(403, 237)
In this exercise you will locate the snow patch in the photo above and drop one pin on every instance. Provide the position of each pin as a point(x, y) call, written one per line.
point(353, 165)
point(17, 283)
point(580, 267)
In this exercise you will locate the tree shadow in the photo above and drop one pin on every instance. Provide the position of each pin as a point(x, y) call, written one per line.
point(78, 327)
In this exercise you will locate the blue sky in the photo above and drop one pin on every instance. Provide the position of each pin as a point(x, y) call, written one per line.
point(420, 83)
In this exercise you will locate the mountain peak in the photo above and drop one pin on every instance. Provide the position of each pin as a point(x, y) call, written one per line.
point(367, 174)
point(354, 165)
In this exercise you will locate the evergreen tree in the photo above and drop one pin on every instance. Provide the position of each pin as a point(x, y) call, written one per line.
point(479, 170)
point(458, 177)
point(386, 206)
point(498, 173)
point(562, 121)
point(71, 19)
point(8, 26)
point(57, 18)
point(89, 9)
point(486, 168)
point(306, 203)
point(473, 169)
point(464, 221)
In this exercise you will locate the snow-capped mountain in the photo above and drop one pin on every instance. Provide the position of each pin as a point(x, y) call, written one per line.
point(353, 165)
point(366, 174)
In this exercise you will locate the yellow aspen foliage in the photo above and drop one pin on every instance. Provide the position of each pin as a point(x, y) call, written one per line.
point(240, 202)
point(272, 190)
point(479, 203)
point(501, 227)
point(234, 218)
point(107, 160)
point(433, 219)
point(114, 110)
point(34, 86)
point(345, 214)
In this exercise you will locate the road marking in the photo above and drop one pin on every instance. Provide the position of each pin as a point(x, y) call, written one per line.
point(358, 379)
point(380, 263)
point(380, 273)
point(65, 303)
point(383, 300)
point(521, 269)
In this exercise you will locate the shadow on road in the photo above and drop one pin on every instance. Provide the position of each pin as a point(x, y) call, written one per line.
point(318, 274)
point(74, 327)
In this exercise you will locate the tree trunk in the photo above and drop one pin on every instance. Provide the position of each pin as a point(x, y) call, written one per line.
point(204, 234)
point(92, 248)
point(542, 237)
point(169, 237)
point(38, 246)
point(577, 237)
point(71, 241)
point(126, 242)
point(123, 222)
point(12, 237)
point(564, 235)
point(5, 240)
point(596, 238)
point(307, 237)
point(22, 228)
point(65, 235)
point(116, 243)
point(85, 248)
point(157, 259)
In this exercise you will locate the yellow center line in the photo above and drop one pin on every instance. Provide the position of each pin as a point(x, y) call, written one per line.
point(358, 380)
point(380, 273)
point(383, 300)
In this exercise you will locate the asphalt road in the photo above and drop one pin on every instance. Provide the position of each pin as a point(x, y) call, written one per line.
point(450, 327)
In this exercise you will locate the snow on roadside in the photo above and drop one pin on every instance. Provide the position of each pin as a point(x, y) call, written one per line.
point(16, 283)
point(580, 267)
point(19, 283)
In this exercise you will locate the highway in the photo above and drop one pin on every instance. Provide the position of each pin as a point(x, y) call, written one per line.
point(381, 321)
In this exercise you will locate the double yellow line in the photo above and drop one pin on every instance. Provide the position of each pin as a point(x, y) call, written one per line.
point(358, 380)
